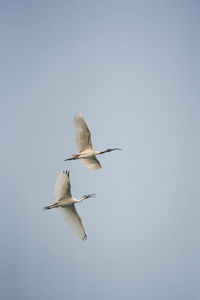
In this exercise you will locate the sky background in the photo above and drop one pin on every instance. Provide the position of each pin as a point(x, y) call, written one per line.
point(132, 69)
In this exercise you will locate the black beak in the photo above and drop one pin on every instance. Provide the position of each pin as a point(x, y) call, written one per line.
point(113, 149)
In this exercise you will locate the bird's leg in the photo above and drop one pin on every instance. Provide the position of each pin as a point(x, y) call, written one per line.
point(74, 156)
point(54, 205)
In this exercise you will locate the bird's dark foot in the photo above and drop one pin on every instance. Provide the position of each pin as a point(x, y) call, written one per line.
point(46, 207)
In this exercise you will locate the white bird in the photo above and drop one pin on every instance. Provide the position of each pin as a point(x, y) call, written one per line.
point(86, 154)
point(66, 203)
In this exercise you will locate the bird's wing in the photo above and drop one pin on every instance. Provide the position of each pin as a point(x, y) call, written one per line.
point(82, 134)
point(91, 162)
point(63, 186)
point(72, 218)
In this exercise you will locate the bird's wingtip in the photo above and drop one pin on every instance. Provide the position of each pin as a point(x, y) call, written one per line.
point(78, 115)
point(85, 237)
point(66, 172)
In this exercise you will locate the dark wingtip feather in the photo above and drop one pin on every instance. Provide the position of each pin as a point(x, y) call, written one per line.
point(85, 237)
point(66, 172)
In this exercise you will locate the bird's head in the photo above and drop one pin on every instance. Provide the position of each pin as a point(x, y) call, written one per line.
point(88, 196)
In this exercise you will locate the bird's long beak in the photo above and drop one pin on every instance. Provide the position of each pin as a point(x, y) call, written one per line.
point(112, 149)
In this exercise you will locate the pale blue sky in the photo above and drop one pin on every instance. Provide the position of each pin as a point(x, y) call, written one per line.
point(132, 69)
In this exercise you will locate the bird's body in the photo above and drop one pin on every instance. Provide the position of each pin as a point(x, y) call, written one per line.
point(66, 203)
point(86, 154)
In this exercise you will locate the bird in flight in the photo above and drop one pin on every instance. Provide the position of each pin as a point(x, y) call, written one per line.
point(86, 154)
point(66, 203)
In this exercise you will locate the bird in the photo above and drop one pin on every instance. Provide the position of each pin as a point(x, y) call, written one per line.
point(66, 203)
point(86, 154)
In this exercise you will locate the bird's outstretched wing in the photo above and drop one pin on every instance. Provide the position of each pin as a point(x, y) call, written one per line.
point(82, 134)
point(72, 218)
point(91, 163)
point(63, 186)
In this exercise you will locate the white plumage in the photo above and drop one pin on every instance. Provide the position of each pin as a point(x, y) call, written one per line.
point(86, 154)
point(66, 203)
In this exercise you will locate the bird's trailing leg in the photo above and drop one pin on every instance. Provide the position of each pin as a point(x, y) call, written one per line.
point(74, 156)
point(54, 205)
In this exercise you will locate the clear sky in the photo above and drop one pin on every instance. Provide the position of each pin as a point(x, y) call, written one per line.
point(132, 69)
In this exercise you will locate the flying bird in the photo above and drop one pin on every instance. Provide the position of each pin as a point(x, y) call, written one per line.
point(66, 203)
point(86, 154)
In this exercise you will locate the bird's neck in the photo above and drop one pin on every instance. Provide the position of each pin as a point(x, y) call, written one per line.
point(76, 200)
point(100, 152)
